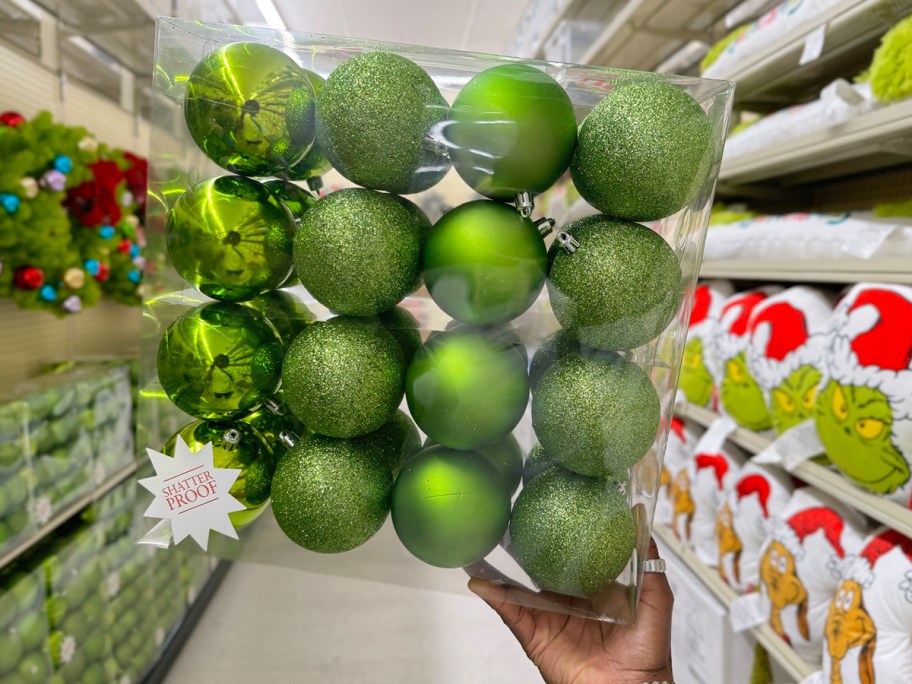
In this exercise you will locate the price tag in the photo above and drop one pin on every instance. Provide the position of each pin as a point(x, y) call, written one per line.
point(747, 611)
point(813, 45)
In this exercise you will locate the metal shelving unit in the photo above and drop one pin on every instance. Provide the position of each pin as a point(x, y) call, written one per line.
point(849, 270)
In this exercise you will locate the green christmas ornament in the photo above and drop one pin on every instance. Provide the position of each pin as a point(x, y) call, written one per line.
point(571, 534)
point(420, 220)
point(250, 108)
point(272, 419)
point(537, 462)
point(396, 441)
point(374, 114)
point(595, 416)
point(331, 495)
point(512, 130)
point(314, 164)
point(555, 346)
point(643, 152)
point(343, 377)
point(219, 360)
point(231, 238)
point(358, 251)
point(506, 457)
point(466, 390)
point(484, 263)
point(619, 288)
point(295, 198)
point(504, 334)
point(234, 445)
point(449, 507)
point(399, 323)
point(286, 312)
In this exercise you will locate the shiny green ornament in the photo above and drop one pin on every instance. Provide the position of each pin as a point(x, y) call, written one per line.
point(571, 534)
point(331, 495)
point(643, 151)
point(595, 416)
point(250, 108)
point(506, 457)
point(537, 462)
point(231, 238)
point(466, 390)
point(314, 163)
point(219, 361)
point(358, 252)
point(512, 130)
point(295, 198)
point(484, 263)
point(373, 115)
point(343, 377)
point(621, 286)
point(396, 441)
point(449, 507)
point(234, 445)
point(274, 418)
point(286, 312)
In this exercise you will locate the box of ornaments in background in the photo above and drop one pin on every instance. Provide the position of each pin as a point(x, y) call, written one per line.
point(480, 389)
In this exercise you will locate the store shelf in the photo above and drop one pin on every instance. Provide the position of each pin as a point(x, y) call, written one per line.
point(772, 76)
point(790, 661)
point(887, 512)
point(882, 269)
point(878, 139)
point(66, 514)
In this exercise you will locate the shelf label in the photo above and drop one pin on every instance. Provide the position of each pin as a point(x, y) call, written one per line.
point(748, 611)
point(793, 447)
point(813, 45)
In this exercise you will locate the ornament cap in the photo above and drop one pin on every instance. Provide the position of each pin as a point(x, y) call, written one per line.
point(435, 146)
point(525, 204)
point(288, 438)
point(545, 226)
point(274, 407)
point(232, 436)
point(567, 242)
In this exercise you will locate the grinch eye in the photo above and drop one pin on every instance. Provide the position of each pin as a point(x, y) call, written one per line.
point(784, 400)
point(840, 407)
point(693, 360)
point(810, 398)
point(869, 428)
point(735, 371)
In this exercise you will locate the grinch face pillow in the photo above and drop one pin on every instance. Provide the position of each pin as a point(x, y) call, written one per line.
point(869, 623)
point(699, 369)
point(811, 536)
point(864, 408)
point(786, 352)
point(682, 439)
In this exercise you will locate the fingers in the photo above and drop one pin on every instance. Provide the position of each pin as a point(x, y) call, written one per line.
point(503, 600)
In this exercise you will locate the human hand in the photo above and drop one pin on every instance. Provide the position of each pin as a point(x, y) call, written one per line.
point(568, 649)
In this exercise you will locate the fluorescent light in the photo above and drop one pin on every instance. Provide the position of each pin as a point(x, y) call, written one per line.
point(271, 14)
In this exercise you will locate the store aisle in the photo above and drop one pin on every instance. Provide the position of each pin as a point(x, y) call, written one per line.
point(281, 625)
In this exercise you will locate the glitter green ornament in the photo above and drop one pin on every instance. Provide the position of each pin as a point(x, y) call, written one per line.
point(449, 507)
point(484, 263)
point(331, 495)
point(234, 445)
point(512, 130)
point(466, 390)
point(595, 416)
point(537, 462)
point(219, 361)
point(642, 151)
point(286, 312)
point(619, 288)
point(358, 251)
point(250, 109)
point(571, 534)
point(343, 377)
point(314, 164)
point(374, 114)
point(230, 238)
point(397, 440)
point(555, 346)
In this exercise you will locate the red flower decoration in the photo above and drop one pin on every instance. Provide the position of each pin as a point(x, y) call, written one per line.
point(29, 278)
point(11, 119)
point(95, 202)
point(136, 178)
point(104, 272)
point(124, 247)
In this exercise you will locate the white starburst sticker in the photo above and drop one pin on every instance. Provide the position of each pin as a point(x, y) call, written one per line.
point(191, 496)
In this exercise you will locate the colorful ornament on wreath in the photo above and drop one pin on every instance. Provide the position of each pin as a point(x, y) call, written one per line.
point(11, 119)
point(699, 367)
point(868, 632)
point(94, 203)
point(9, 202)
point(29, 187)
point(28, 278)
point(864, 407)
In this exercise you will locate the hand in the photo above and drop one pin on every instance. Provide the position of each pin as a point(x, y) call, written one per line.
point(569, 649)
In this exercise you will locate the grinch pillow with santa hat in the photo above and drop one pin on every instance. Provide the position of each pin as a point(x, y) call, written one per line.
point(864, 407)
point(869, 623)
point(812, 535)
point(682, 440)
point(785, 354)
point(699, 369)
point(741, 522)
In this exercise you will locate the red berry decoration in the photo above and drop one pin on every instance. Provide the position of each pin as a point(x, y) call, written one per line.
point(11, 119)
point(29, 277)
point(104, 272)
point(125, 246)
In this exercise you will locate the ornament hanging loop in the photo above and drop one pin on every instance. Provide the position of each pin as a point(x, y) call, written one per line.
point(545, 226)
point(273, 407)
point(567, 242)
point(524, 204)
point(288, 438)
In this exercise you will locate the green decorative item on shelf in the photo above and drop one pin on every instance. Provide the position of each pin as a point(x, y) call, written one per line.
point(555, 346)
point(794, 400)
point(450, 508)
point(287, 313)
point(231, 238)
point(294, 197)
point(314, 164)
point(614, 284)
point(250, 109)
point(596, 416)
point(484, 263)
point(399, 323)
point(695, 380)
point(506, 457)
point(220, 360)
point(374, 114)
point(742, 397)
point(644, 151)
point(467, 390)
point(272, 419)
point(397, 440)
point(891, 68)
point(512, 129)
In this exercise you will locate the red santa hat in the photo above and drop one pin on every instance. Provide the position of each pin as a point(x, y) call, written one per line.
point(717, 462)
point(677, 427)
point(709, 296)
point(754, 484)
point(732, 333)
point(792, 533)
point(861, 567)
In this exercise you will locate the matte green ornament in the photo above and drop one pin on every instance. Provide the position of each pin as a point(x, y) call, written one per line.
point(449, 507)
point(343, 377)
point(358, 252)
point(331, 495)
point(506, 457)
point(621, 286)
point(219, 360)
point(595, 416)
point(295, 198)
point(287, 313)
point(231, 238)
point(373, 115)
point(250, 108)
point(643, 151)
point(512, 130)
point(234, 445)
point(537, 462)
point(466, 390)
point(314, 163)
point(484, 263)
point(571, 534)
